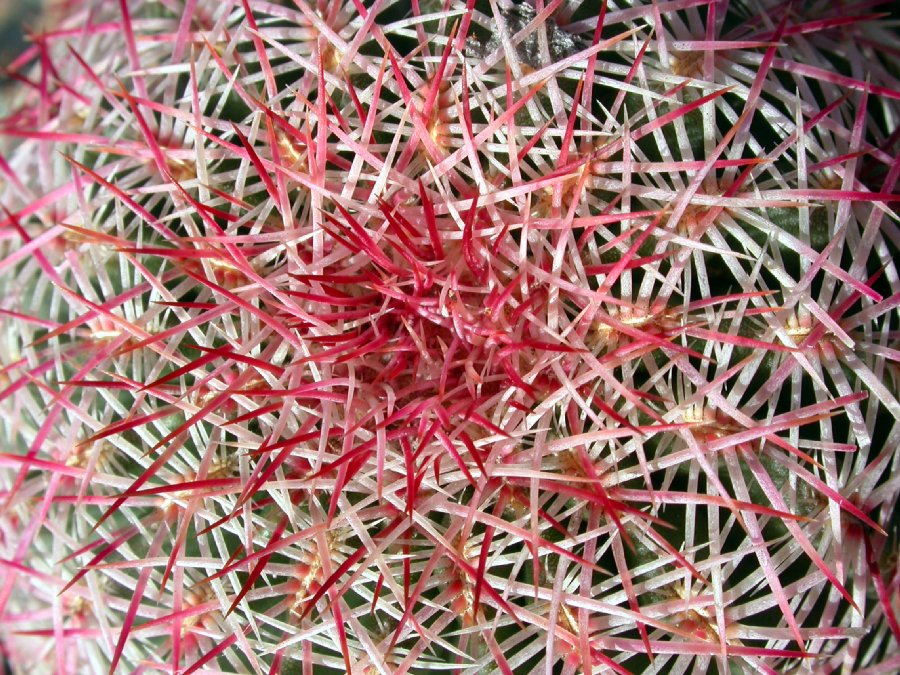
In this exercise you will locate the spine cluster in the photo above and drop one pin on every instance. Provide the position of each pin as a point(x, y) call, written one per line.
point(486, 336)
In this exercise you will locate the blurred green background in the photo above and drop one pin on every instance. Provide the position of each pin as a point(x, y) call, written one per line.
point(14, 14)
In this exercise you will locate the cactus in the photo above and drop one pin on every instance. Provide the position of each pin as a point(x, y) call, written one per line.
point(485, 336)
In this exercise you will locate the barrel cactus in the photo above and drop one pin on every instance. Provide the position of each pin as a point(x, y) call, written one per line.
point(485, 336)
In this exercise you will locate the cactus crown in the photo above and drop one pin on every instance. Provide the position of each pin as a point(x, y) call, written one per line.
point(384, 337)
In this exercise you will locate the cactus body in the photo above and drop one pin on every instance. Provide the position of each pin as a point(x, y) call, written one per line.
point(386, 337)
